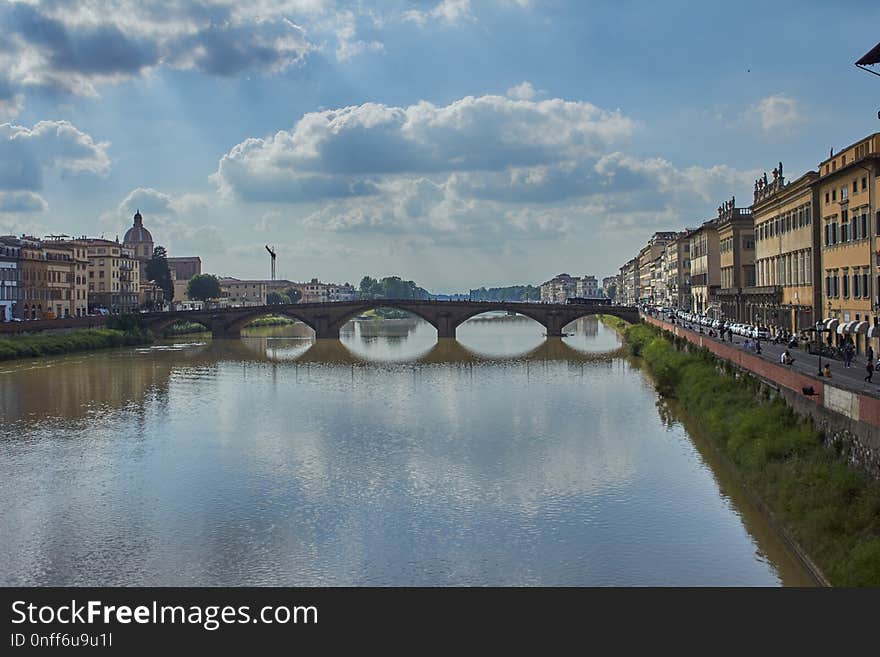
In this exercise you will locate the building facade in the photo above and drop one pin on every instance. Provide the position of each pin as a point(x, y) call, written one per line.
point(10, 278)
point(34, 279)
point(705, 266)
point(736, 256)
point(113, 277)
point(787, 294)
point(678, 272)
point(587, 287)
point(848, 187)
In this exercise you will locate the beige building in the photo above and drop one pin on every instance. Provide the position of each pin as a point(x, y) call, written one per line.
point(678, 272)
point(787, 264)
point(647, 260)
point(61, 269)
point(113, 277)
point(736, 259)
point(629, 282)
point(705, 265)
point(848, 188)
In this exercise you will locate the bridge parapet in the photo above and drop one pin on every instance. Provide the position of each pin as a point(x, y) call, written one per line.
point(326, 319)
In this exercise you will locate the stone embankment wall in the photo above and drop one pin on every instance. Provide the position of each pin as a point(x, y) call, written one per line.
point(849, 420)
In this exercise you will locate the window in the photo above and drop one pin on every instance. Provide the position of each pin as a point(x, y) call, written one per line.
point(833, 194)
point(807, 214)
point(834, 233)
point(844, 229)
point(845, 284)
point(844, 193)
point(864, 183)
point(856, 286)
point(827, 200)
point(855, 186)
point(864, 232)
point(865, 292)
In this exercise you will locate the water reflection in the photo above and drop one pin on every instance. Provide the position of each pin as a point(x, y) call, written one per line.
point(277, 459)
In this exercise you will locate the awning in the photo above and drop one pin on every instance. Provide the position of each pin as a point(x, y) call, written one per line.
point(874, 331)
point(860, 328)
point(830, 324)
point(844, 328)
point(870, 57)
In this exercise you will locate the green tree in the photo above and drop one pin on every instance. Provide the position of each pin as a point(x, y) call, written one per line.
point(293, 295)
point(159, 272)
point(276, 298)
point(203, 287)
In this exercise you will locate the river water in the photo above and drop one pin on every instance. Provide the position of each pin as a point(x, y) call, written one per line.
point(387, 458)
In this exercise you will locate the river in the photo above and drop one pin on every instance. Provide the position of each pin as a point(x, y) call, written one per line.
point(386, 458)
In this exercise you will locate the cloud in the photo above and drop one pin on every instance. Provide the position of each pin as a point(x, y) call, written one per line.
point(22, 202)
point(776, 114)
point(346, 152)
point(487, 170)
point(76, 46)
point(522, 91)
point(446, 11)
point(154, 204)
point(25, 153)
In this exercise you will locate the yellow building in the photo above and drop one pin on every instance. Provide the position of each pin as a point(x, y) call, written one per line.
point(788, 293)
point(79, 291)
point(61, 269)
point(114, 281)
point(736, 259)
point(848, 187)
point(705, 265)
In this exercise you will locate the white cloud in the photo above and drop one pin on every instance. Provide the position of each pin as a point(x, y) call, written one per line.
point(522, 91)
point(14, 202)
point(346, 152)
point(776, 114)
point(25, 153)
point(447, 11)
point(490, 170)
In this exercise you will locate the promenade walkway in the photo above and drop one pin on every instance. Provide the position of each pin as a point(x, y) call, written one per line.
point(845, 392)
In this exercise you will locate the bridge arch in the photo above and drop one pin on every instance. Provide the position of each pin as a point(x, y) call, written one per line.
point(241, 321)
point(373, 304)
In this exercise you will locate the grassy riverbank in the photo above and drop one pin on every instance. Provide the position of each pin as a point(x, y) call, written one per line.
point(831, 510)
point(32, 346)
point(270, 321)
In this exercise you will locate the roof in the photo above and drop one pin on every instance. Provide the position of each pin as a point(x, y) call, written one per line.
point(871, 57)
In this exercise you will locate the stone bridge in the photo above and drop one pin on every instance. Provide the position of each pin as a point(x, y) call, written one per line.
point(327, 318)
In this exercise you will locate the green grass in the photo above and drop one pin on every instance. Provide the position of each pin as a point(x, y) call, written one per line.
point(831, 509)
point(182, 328)
point(33, 346)
point(270, 321)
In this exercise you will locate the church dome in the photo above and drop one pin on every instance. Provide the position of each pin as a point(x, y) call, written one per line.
point(137, 234)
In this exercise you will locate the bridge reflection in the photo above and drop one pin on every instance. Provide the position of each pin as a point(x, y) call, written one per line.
point(445, 350)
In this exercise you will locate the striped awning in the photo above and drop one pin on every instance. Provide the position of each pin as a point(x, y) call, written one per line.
point(874, 331)
point(860, 328)
point(843, 328)
point(830, 323)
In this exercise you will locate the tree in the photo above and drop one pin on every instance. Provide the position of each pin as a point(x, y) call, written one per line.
point(276, 298)
point(159, 272)
point(203, 287)
point(293, 295)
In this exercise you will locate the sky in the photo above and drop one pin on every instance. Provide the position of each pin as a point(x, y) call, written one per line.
point(458, 143)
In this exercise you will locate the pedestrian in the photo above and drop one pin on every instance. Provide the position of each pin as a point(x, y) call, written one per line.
point(848, 353)
point(870, 354)
point(730, 334)
point(827, 371)
point(870, 368)
point(758, 346)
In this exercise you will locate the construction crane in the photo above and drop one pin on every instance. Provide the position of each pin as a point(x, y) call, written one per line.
point(272, 253)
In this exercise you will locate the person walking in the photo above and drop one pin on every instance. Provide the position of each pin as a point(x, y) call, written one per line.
point(870, 369)
point(848, 353)
point(870, 354)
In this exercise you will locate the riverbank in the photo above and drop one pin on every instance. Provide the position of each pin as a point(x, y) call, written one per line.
point(34, 346)
point(186, 328)
point(829, 509)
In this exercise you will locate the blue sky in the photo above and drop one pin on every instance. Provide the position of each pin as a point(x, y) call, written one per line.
point(459, 143)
